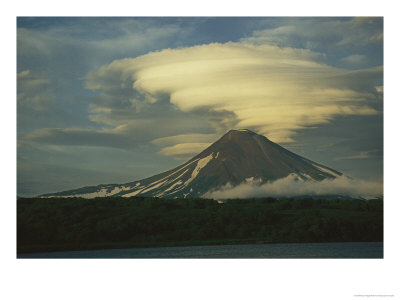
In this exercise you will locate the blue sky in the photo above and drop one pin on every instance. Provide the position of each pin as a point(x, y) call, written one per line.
point(113, 100)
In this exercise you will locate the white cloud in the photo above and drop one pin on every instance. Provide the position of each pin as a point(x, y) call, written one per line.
point(184, 150)
point(128, 136)
point(182, 138)
point(33, 92)
point(312, 33)
point(78, 136)
point(274, 91)
point(184, 146)
point(361, 155)
point(23, 74)
point(289, 186)
point(355, 59)
point(94, 41)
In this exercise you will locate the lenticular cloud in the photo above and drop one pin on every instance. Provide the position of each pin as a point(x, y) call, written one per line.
point(274, 90)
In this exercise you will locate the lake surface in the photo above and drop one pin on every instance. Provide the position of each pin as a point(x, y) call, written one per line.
point(304, 250)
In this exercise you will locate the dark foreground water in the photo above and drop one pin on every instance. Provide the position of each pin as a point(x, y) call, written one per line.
point(306, 250)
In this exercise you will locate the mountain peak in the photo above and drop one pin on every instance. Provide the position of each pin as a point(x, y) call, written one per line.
point(240, 131)
point(240, 156)
point(243, 130)
point(237, 139)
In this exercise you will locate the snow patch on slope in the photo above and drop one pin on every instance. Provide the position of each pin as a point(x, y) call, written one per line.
point(250, 179)
point(326, 170)
point(296, 176)
point(175, 172)
point(132, 194)
point(119, 189)
point(173, 186)
point(157, 183)
point(154, 186)
point(101, 193)
point(176, 178)
point(200, 165)
point(306, 176)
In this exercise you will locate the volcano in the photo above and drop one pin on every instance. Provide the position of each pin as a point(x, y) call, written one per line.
point(238, 157)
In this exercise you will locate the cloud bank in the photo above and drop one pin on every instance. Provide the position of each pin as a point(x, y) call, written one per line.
point(289, 186)
point(321, 33)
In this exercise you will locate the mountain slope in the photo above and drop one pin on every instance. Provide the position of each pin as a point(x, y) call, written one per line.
point(239, 156)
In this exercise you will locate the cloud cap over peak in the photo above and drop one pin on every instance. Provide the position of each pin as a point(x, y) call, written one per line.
point(275, 91)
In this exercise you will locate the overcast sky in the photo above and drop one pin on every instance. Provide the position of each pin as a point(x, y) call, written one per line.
point(113, 100)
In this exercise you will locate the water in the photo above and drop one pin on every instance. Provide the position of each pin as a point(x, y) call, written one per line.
point(306, 250)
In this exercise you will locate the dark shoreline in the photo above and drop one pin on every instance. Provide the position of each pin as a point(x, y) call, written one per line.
point(347, 250)
point(105, 246)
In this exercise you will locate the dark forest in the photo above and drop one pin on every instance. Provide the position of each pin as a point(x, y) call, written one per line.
point(58, 224)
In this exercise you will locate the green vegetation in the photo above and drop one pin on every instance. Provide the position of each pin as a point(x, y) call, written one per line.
point(74, 224)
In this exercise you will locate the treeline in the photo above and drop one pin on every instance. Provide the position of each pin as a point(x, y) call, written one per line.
point(72, 224)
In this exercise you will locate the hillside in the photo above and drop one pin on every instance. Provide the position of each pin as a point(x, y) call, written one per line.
point(240, 156)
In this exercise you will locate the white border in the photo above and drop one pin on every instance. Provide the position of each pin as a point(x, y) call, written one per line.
point(199, 279)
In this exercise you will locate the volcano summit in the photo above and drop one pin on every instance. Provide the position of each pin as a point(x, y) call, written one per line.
point(239, 156)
